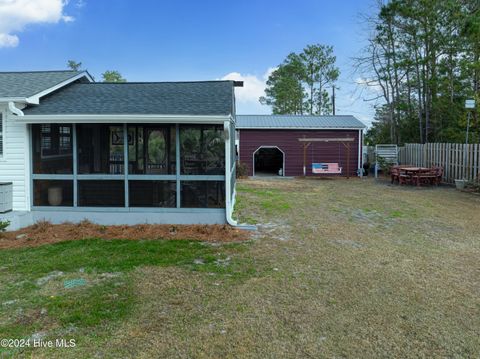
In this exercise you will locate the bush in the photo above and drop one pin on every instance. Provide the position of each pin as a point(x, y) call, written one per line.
point(242, 170)
point(385, 166)
point(4, 225)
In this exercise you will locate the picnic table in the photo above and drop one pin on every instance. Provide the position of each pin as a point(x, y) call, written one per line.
point(416, 175)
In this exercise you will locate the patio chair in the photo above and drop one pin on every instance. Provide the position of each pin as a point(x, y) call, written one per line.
point(395, 174)
point(438, 175)
point(404, 178)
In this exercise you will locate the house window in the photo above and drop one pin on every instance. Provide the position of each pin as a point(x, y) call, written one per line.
point(1, 134)
point(52, 149)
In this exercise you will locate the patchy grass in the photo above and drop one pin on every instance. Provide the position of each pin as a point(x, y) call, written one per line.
point(35, 301)
point(337, 269)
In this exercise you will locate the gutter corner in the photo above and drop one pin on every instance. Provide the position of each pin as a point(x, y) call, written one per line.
point(14, 110)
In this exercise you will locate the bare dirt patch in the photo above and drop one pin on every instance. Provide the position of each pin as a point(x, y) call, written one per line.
point(47, 233)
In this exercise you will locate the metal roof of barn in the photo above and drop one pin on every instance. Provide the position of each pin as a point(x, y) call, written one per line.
point(298, 122)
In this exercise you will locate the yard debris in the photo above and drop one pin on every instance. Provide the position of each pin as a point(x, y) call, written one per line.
point(48, 233)
point(347, 242)
point(38, 336)
point(223, 262)
point(72, 283)
point(10, 302)
point(49, 277)
point(198, 261)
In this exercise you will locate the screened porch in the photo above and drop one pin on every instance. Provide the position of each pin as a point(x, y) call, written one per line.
point(128, 166)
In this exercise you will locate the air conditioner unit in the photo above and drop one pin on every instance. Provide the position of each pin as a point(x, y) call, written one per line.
point(6, 196)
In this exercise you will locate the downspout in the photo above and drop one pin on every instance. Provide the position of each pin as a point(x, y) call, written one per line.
point(14, 110)
point(230, 194)
point(360, 153)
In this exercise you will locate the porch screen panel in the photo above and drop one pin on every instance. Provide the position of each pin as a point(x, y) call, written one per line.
point(151, 149)
point(202, 150)
point(52, 149)
point(105, 193)
point(152, 194)
point(203, 194)
point(52, 193)
point(100, 149)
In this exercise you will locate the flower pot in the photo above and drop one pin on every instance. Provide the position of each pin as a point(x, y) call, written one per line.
point(460, 183)
point(55, 196)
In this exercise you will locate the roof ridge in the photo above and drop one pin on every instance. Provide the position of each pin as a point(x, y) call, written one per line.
point(272, 115)
point(39, 71)
point(153, 82)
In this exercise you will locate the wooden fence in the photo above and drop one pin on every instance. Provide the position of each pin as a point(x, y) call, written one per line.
point(458, 160)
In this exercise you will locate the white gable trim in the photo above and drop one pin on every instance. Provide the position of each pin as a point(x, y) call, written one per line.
point(35, 99)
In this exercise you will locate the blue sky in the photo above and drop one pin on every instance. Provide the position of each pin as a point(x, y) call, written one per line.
point(154, 40)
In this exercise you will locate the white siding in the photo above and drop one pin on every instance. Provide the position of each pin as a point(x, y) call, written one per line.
point(14, 165)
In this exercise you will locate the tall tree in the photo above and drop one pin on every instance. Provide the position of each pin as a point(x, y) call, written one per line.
point(284, 90)
point(298, 85)
point(422, 61)
point(73, 65)
point(319, 71)
point(113, 76)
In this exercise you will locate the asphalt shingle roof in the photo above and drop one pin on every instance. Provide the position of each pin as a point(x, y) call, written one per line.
point(297, 122)
point(26, 84)
point(161, 98)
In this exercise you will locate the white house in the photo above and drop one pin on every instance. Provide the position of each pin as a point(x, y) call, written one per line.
point(116, 153)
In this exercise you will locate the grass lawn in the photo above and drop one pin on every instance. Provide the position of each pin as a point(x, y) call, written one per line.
point(338, 268)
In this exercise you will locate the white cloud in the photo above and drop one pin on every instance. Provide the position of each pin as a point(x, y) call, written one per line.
point(7, 40)
point(16, 14)
point(253, 88)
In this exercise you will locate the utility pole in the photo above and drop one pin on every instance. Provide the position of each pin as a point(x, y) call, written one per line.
point(333, 99)
point(470, 106)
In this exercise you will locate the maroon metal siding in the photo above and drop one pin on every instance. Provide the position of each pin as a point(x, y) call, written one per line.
point(287, 141)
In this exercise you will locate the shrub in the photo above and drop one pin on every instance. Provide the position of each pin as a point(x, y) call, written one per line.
point(385, 166)
point(242, 170)
point(4, 225)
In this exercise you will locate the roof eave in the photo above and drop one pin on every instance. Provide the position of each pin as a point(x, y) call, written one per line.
point(35, 99)
point(300, 128)
point(124, 118)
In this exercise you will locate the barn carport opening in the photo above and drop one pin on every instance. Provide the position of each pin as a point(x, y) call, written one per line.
point(268, 161)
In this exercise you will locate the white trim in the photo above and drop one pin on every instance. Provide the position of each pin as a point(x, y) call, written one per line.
point(14, 110)
point(259, 148)
point(3, 120)
point(123, 118)
point(301, 128)
point(13, 99)
point(35, 99)
point(228, 174)
point(359, 166)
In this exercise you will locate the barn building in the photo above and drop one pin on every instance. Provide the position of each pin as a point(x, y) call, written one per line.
point(294, 145)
